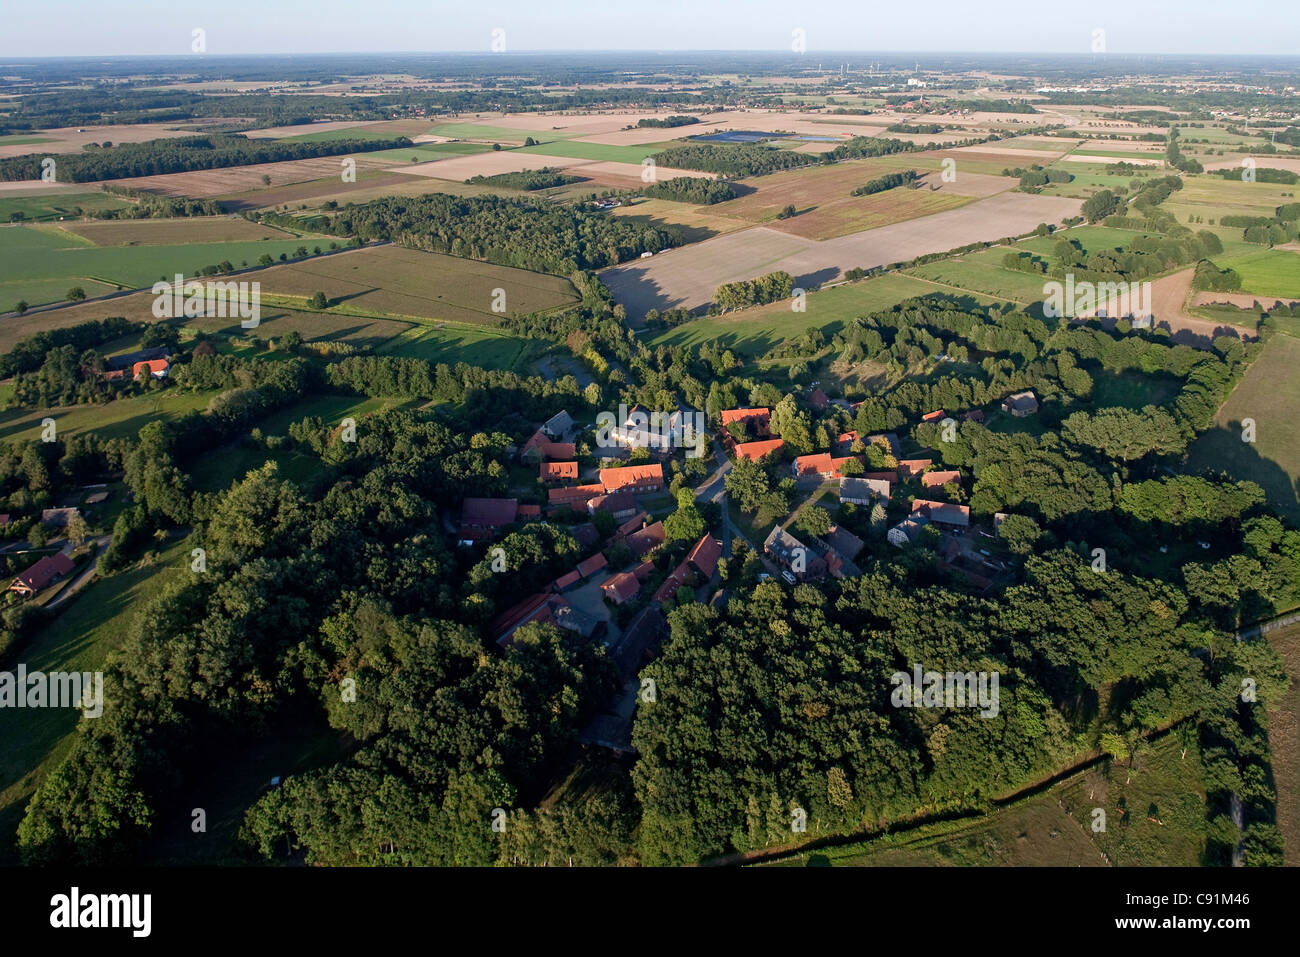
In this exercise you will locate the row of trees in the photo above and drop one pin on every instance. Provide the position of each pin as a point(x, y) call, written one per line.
point(754, 292)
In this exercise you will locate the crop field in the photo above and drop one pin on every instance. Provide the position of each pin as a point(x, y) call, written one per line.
point(369, 184)
point(688, 277)
point(982, 272)
point(697, 222)
point(169, 232)
point(753, 332)
point(276, 321)
point(600, 152)
point(205, 184)
point(70, 139)
point(454, 342)
point(1269, 272)
point(391, 281)
point(422, 153)
point(1269, 394)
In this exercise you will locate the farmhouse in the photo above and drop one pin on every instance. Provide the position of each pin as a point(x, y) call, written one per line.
point(544, 607)
point(952, 517)
point(633, 478)
point(863, 491)
point(541, 446)
point(648, 538)
point(633, 524)
point(1021, 404)
point(757, 451)
point(592, 565)
point(573, 496)
point(757, 422)
point(786, 550)
point(621, 588)
point(906, 531)
point(158, 368)
point(935, 416)
point(939, 478)
point(820, 466)
point(619, 504)
point(704, 556)
point(558, 426)
point(911, 468)
point(58, 517)
point(46, 571)
point(844, 543)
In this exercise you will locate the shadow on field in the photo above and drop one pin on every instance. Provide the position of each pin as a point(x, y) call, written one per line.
point(1221, 452)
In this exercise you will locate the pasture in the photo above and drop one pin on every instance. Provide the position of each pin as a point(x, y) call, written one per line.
point(169, 232)
point(52, 206)
point(1271, 273)
point(121, 418)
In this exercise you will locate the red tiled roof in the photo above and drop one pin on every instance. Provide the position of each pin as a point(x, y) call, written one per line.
point(934, 416)
point(530, 511)
point(621, 587)
point(942, 512)
point(573, 495)
point(593, 564)
point(631, 525)
point(45, 571)
point(817, 399)
point(631, 475)
point(820, 464)
point(757, 451)
point(644, 570)
point(932, 479)
point(759, 418)
point(567, 579)
point(910, 468)
point(881, 476)
point(149, 366)
point(673, 582)
point(558, 471)
point(851, 436)
point(647, 538)
point(704, 556)
point(489, 512)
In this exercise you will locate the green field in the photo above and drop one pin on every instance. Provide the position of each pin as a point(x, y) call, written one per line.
point(982, 272)
point(474, 131)
point(453, 342)
point(52, 206)
point(1269, 272)
point(1269, 394)
point(32, 256)
point(121, 418)
point(754, 331)
point(423, 152)
point(601, 152)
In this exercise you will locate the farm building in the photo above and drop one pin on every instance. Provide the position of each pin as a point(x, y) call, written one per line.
point(757, 422)
point(935, 416)
point(58, 517)
point(911, 468)
point(759, 450)
point(558, 426)
point(559, 471)
point(939, 478)
point(650, 537)
point(633, 478)
point(592, 565)
point(575, 496)
point(942, 513)
point(619, 504)
point(621, 588)
point(906, 531)
point(41, 575)
point(486, 515)
point(821, 467)
point(540, 446)
point(704, 556)
point(1021, 404)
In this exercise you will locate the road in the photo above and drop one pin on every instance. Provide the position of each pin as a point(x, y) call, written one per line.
point(714, 489)
point(77, 583)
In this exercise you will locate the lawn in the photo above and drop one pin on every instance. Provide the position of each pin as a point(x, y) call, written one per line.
point(1269, 394)
point(982, 272)
point(79, 639)
point(53, 206)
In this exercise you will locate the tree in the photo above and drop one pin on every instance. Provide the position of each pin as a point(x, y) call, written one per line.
point(21, 307)
point(266, 180)
point(686, 523)
point(319, 300)
point(78, 531)
point(76, 294)
point(814, 520)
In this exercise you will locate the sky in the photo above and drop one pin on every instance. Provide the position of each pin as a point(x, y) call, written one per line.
point(165, 27)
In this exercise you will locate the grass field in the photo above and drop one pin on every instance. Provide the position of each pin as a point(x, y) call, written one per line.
point(51, 206)
point(392, 281)
point(79, 639)
point(1269, 272)
point(121, 418)
point(752, 332)
point(1269, 394)
point(1054, 828)
point(423, 153)
point(982, 272)
point(600, 152)
point(1284, 744)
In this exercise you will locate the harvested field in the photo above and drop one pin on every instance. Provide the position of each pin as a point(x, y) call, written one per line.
point(169, 232)
point(204, 184)
point(1169, 298)
point(460, 168)
point(299, 130)
point(1291, 163)
point(399, 282)
point(625, 175)
point(68, 140)
point(870, 212)
point(1107, 160)
point(369, 185)
point(688, 277)
point(698, 222)
point(1042, 156)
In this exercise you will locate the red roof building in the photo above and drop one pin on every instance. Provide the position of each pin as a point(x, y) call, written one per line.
point(49, 569)
point(942, 512)
point(935, 416)
point(592, 565)
point(939, 478)
point(541, 445)
point(652, 536)
point(573, 496)
point(757, 451)
point(559, 472)
point(757, 422)
point(818, 399)
point(911, 468)
point(151, 367)
point(821, 465)
point(529, 512)
point(633, 478)
point(668, 590)
point(622, 587)
point(488, 513)
point(567, 581)
point(704, 556)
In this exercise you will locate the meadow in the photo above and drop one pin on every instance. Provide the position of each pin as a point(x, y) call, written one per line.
point(1269, 272)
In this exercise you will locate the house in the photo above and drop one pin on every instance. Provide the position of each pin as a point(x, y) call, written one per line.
point(844, 442)
point(935, 416)
point(906, 531)
point(817, 399)
point(621, 587)
point(911, 468)
point(559, 471)
point(586, 535)
point(542, 608)
point(619, 504)
point(46, 571)
point(157, 368)
point(890, 477)
point(757, 451)
point(573, 496)
point(820, 466)
point(487, 514)
point(943, 513)
point(704, 556)
point(635, 523)
point(648, 538)
point(542, 447)
point(757, 422)
point(633, 478)
point(592, 565)
point(940, 478)
point(94, 498)
point(680, 577)
point(644, 571)
point(658, 431)
point(1021, 404)
point(558, 426)
point(785, 549)
point(863, 491)
point(974, 415)
point(844, 543)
